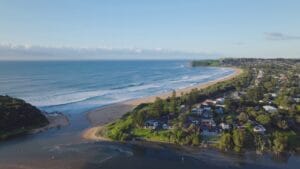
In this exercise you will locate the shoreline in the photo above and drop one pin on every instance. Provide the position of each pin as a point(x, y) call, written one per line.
point(56, 120)
point(109, 113)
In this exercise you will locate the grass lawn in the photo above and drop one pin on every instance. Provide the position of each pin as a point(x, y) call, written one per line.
point(150, 135)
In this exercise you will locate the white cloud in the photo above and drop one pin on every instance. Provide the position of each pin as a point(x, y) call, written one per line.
point(30, 52)
point(280, 36)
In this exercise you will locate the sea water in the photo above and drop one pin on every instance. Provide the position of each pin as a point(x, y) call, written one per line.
point(77, 86)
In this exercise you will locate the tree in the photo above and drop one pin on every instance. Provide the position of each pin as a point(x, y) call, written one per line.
point(173, 103)
point(196, 139)
point(192, 97)
point(253, 113)
point(260, 142)
point(238, 137)
point(230, 104)
point(157, 107)
point(279, 142)
point(178, 135)
point(283, 99)
point(255, 94)
point(225, 142)
point(17, 116)
point(282, 124)
point(263, 119)
point(229, 119)
point(166, 107)
point(243, 117)
point(139, 117)
point(268, 86)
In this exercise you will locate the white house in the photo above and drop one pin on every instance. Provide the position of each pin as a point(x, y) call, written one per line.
point(165, 126)
point(259, 129)
point(270, 109)
point(224, 126)
point(297, 100)
point(209, 102)
point(196, 122)
point(273, 95)
point(220, 100)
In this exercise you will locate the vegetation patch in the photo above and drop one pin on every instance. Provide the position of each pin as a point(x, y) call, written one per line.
point(18, 117)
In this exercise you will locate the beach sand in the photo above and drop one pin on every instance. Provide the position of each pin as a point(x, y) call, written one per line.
point(101, 116)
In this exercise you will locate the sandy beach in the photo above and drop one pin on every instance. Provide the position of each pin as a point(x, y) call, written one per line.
point(110, 113)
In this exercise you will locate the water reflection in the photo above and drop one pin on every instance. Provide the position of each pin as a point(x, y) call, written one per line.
point(137, 156)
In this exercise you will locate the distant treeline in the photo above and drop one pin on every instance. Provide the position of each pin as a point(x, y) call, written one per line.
point(245, 62)
point(196, 63)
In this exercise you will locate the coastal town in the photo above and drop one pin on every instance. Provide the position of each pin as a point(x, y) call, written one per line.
point(150, 84)
point(259, 109)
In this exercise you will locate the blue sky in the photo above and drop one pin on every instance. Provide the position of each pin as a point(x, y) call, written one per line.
point(220, 28)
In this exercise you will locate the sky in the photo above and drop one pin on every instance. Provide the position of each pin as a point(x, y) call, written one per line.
point(148, 29)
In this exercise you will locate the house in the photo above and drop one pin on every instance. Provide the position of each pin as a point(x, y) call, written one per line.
point(283, 78)
point(193, 120)
point(251, 122)
point(235, 95)
point(196, 122)
point(220, 100)
point(209, 133)
point(205, 107)
point(240, 127)
point(259, 129)
point(151, 124)
point(165, 126)
point(219, 110)
point(194, 111)
point(197, 111)
point(208, 123)
point(209, 102)
point(224, 126)
point(274, 95)
point(206, 114)
point(297, 100)
point(259, 77)
point(270, 109)
point(256, 108)
point(260, 74)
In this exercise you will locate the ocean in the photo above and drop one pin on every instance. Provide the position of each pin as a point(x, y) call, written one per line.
point(78, 86)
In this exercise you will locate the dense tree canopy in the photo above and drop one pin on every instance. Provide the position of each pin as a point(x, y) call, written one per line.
point(17, 116)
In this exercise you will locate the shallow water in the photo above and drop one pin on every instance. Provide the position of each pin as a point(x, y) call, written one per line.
point(116, 155)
